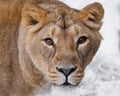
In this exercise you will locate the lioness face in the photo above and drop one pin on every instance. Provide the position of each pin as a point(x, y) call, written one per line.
point(61, 45)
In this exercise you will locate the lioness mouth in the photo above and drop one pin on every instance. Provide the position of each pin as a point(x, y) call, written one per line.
point(66, 84)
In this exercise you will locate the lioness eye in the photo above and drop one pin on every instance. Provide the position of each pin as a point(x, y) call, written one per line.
point(49, 41)
point(82, 40)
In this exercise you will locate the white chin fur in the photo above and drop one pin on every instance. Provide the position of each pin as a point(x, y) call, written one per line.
point(59, 91)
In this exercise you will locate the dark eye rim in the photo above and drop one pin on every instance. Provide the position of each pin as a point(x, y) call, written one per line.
point(47, 41)
point(82, 40)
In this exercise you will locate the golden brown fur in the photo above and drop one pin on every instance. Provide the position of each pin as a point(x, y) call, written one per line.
point(27, 64)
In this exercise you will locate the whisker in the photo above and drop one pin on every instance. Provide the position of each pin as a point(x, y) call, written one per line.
point(42, 88)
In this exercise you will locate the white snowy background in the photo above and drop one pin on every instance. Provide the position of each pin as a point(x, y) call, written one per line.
point(102, 76)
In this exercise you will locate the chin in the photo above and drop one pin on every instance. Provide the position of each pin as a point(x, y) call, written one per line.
point(63, 89)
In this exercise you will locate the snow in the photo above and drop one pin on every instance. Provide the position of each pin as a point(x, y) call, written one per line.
point(102, 76)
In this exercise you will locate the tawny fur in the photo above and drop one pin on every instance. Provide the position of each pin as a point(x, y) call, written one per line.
point(14, 82)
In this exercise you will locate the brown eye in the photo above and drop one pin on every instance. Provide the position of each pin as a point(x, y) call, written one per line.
point(49, 41)
point(82, 40)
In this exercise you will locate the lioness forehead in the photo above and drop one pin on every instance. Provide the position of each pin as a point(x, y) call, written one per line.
point(75, 29)
point(67, 23)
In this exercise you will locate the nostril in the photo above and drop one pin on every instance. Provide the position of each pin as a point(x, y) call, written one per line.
point(66, 71)
point(60, 70)
point(73, 69)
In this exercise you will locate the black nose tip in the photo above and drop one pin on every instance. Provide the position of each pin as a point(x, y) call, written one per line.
point(66, 71)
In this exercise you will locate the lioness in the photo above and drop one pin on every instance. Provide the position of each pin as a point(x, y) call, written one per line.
point(45, 43)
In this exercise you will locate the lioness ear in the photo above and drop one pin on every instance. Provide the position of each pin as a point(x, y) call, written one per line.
point(92, 15)
point(33, 14)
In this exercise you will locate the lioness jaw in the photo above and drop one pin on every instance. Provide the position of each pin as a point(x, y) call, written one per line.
point(55, 43)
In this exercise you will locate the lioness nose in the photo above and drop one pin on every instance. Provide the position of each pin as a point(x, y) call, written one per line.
point(66, 71)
